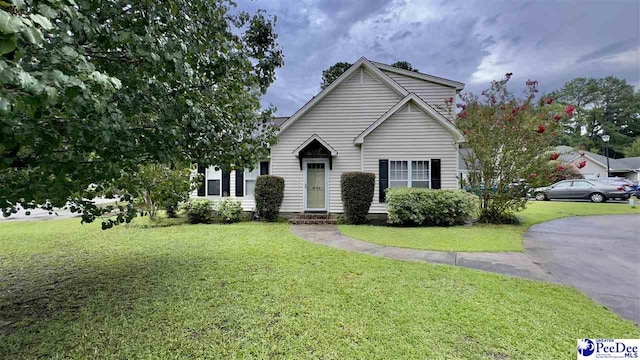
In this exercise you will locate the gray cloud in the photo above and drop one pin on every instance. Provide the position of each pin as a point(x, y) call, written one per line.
point(491, 20)
point(472, 41)
point(400, 35)
point(611, 49)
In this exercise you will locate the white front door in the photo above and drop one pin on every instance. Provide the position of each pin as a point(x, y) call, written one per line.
point(316, 185)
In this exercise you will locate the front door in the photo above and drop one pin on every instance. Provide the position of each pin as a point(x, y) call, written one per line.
point(316, 186)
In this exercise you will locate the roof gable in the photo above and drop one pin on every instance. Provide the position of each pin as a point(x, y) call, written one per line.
point(426, 77)
point(422, 106)
point(362, 63)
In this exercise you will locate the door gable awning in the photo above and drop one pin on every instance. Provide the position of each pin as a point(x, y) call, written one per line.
point(315, 147)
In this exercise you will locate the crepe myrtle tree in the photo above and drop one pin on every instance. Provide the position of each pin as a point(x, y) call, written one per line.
point(509, 138)
point(91, 90)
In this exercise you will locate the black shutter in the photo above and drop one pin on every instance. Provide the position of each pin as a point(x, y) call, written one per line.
point(239, 183)
point(383, 182)
point(435, 174)
point(201, 187)
point(226, 183)
point(264, 168)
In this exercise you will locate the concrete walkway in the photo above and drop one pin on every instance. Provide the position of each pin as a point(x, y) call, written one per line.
point(512, 263)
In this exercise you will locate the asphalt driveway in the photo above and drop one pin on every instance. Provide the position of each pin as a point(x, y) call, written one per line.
point(599, 255)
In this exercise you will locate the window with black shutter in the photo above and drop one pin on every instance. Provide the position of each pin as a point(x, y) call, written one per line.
point(383, 176)
point(435, 174)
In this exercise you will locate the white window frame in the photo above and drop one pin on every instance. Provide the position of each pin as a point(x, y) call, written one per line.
point(408, 180)
point(409, 172)
point(247, 178)
point(210, 174)
point(428, 162)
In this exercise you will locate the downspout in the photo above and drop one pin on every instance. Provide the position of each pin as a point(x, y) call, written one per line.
point(362, 157)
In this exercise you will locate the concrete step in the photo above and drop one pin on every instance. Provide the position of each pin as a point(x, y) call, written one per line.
point(313, 221)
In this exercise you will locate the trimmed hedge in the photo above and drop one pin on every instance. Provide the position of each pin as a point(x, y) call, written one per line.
point(199, 211)
point(420, 207)
point(357, 194)
point(268, 193)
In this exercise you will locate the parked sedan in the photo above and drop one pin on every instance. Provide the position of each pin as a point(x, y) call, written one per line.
point(581, 189)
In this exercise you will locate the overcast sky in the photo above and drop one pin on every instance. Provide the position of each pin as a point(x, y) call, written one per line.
point(469, 41)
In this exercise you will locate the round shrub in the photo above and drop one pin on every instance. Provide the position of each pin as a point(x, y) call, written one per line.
point(199, 211)
point(420, 207)
point(229, 211)
point(268, 193)
point(357, 194)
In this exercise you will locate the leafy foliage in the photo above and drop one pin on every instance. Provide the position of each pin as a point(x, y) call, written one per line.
point(269, 193)
point(229, 210)
point(404, 65)
point(333, 72)
point(199, 211)
point(508, 138)
point(419, 207)
point(160, 186)
point(607, 105)
point(91, 91)
point(632, 149)
point(357, 193)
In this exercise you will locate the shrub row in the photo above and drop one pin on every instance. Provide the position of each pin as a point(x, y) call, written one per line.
point(269, 192)
point(420, 207)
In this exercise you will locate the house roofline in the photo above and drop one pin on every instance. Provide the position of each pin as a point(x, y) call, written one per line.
point(326, 91)
point(418, 75)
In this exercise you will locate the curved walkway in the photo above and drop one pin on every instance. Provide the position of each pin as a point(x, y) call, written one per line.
point(508, 263)
point(599, 255)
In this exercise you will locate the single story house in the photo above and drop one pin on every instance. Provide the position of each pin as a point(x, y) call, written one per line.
point(596, 164)
point(374, 118)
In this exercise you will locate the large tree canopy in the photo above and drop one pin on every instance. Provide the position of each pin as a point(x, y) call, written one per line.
point(94, 89)
point(607, 105)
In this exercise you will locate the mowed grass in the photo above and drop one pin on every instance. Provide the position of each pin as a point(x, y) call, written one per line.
point(481, 237)
point(254, 290)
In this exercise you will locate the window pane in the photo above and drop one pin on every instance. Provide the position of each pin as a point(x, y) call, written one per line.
point(250, 185)
point(420, 184)
point(419, 172)
point(398, 183)
point(213, 187)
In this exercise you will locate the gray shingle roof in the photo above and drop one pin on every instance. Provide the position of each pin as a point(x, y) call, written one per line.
point(632, 162)
point(568, 153)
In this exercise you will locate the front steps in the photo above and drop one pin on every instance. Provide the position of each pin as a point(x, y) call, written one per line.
point(314, 219)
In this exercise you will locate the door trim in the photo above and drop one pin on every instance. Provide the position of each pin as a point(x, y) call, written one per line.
point(326, 183)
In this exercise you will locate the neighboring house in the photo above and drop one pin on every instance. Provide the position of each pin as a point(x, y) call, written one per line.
point(596, 165)
point(374, 118)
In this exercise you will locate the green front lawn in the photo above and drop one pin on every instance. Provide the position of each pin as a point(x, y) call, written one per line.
point(490, 238)
point(256, 291)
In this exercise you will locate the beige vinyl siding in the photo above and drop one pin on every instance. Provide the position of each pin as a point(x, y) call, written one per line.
point(410, 134)
point(432, 93)
point(341, 116)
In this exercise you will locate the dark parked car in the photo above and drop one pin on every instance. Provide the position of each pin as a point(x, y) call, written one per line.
point(581, 189)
